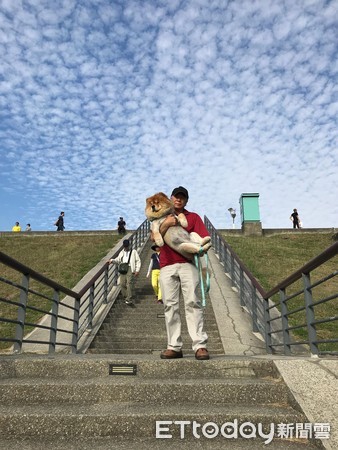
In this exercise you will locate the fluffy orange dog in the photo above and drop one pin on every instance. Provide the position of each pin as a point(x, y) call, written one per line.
point(187, 244)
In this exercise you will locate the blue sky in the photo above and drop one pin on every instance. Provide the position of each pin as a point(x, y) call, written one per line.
point(103, 103)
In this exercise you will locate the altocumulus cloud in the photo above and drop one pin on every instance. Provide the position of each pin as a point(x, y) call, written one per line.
point(105, 104)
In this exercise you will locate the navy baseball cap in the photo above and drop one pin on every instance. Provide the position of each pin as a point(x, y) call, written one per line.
point(180, 190)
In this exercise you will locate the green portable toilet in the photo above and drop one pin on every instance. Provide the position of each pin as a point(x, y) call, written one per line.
point(251, 223)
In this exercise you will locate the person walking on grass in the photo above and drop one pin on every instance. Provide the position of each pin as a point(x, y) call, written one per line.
point(295, 219)
point(16, 228)
point(60, 224)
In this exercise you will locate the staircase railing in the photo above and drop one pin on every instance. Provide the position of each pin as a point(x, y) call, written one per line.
point(64, 314)
point(295, 311)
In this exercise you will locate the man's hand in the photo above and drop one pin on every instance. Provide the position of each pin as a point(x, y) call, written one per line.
point(170, 221)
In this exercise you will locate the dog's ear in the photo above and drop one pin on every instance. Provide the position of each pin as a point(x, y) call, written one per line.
point(162, 194)
point(150, 199)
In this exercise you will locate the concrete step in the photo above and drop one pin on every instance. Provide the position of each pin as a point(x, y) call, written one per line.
point(149, 350)
point(142, 341)
point(149, 367)
point(125, 334)
point(104, 350)
point(116, 389)
point(125, 326)
point(152, 443)
point(130, 418)
point(139, 311)
point(107, 342)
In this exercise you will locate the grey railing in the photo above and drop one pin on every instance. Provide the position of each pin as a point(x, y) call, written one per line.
point(64, 314)
point(296, 311)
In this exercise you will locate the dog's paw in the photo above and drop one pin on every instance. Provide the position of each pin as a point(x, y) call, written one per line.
point(182, 220)
point(206, 246)
point(158, 238)
point(190, 247)
point(205, 240)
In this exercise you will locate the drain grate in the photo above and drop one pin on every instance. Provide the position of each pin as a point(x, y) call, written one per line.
point(122, 369)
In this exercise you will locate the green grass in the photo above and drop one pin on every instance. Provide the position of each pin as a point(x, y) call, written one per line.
point(62, 258)
point(272, 259)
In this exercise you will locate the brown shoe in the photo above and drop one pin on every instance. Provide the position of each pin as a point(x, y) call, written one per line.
point(171, 354)
point(202, 353)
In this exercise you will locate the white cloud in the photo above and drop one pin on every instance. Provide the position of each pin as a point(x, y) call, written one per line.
point(135, 99)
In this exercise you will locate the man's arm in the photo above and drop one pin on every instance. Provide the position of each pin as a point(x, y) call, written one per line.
point(169, 221)
point(137, 262)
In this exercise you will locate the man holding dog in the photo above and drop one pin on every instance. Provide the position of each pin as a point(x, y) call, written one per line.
point(179, 274)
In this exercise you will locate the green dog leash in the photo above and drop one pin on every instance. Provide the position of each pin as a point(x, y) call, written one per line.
point(205, 287)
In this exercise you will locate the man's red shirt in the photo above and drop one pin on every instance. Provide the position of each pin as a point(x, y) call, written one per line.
point(168, 256)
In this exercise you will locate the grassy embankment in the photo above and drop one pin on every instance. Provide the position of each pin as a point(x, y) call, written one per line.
point(64, 259)
point(272, 259)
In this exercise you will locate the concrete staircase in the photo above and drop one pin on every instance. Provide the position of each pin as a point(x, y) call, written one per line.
point(142, 329)
point(113, 396)
point(89, 401)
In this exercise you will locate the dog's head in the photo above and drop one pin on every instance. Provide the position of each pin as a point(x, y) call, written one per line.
point(157, 206)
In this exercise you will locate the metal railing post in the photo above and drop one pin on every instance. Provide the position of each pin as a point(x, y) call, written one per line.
point(19, 331)
point(232, 269)
point(267, 326)
point(53, 322)
point(241, 287)
point(285, 323)
point(105, 286)
point(254, 308)
point(310, 314)
point(91, 307)
point(76, 324)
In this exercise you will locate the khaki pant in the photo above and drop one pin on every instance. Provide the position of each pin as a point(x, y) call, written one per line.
point(174, 279)
point(127, 282)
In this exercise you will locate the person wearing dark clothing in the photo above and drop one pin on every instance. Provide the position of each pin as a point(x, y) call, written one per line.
point(60, 222)
point(295, 219)
point(121, 226)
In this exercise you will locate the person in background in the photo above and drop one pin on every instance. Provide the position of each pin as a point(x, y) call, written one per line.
point(121, 226)
point(60, 222)
point(28, 227)
point(127, 281)
point(16, 228)
point(180, 275)
point(154, 270)
point(295, 219)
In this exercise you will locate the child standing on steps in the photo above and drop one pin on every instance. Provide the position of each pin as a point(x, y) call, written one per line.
point(154, 269)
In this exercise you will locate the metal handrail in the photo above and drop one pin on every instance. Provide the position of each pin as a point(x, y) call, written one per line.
point(25, 270)
point(74, 314)
point(266, 318)
point(313, 264)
